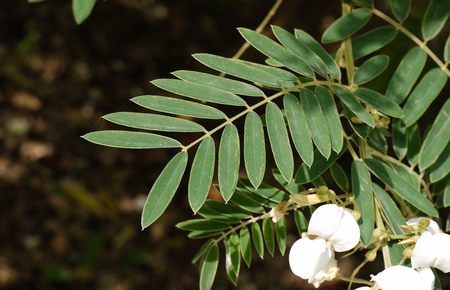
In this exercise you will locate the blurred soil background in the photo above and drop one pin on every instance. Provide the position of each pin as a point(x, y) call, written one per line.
point(70, 210)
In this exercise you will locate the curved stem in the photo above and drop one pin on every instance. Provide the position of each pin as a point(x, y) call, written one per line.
point(414, 38)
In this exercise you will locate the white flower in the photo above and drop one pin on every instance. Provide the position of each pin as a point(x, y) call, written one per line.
point(433, 226)
point(432, 250)
point(276, 214)
point(313, 259)
point(401, 277)
point(331, 228)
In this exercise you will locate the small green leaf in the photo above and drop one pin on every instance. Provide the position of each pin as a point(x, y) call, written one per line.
point(232, 257)
point(379, 102)
point(178, 106)
point(414, 142)
point(316, 121)
point(274, 50)
point(370, 69)
point(406, 75)
point(309, 41)
point(279, 140)
point(209, 268)
point(130, 140)
point(269, 237)
point(202, 225)
point(362, 188)
point(265, 191)
point(258, 239)
point(400, 186)
point(202, 251)
point(281, 235)
point(400, 8)
point(246, 203)
point(212, 214)
point(232, 86)
point(423, 95)
point(300, 222)
point(447, 50)
point(237, 68)
point(340, 177)
point(377, 138)
point(350, 100)
point(284, 77)
point(202, 172)
point(246, 246)
point(199, 92)
point(390, 210)
point(399, 138)
point(396, 252)
point(82, 9)
point(436, 139)
point(346, 25)
point(202, 234)
point(435, 18)
point(155, 122)
point(254, 149)
point(332, 119)
point(226, 210)
point(360, 128)
point(164, 189)
point(229, 160)
point(441, 167)
point(298, 48)
point(446, 199)
point(291, 186)
point(372, 41)
point(298, 127)
point(306, 174)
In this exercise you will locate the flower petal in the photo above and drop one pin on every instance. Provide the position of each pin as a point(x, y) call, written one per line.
point(363, 288)
point(427, 278)
point(398, 277)
point(347, 235)
point(325, 220)
point(433, 226)
point(307, 257)
point(424, 254)
point(441, 245)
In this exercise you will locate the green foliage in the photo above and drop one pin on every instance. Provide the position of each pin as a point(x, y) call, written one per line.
point(300, 96)
point(82, 9)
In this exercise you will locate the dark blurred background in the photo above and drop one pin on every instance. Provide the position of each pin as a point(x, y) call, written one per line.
point(70, 210)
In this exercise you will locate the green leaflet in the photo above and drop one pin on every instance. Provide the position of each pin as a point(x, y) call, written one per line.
point(279, 140)
point(254, 149)
point(245, 245)
point(130, 140)
point(446, 199)
point(309, 41)
point(178, 107)
point(298, 127)
point(199, 92)
point(229, 159)
point(153, 122)
point(237, 68)
point(300, 222)
point(202, 225)
point(362, 188)
point(399, 138)
point(316, 121)
point(232, 257)
point(389, 209)
point(281, 235)
point(379, 102)
point(377, 138)
point(265, 191)
point(209, 267)
point(306, 174)
point(423, 95)
point(441, 167)
point(291, 186)
point(221, 83)
point(201, 176)
point(82, 9)
point(164, 189)
point(218, 209)
point(349, 99)
point(400, 8)
point(437, 138)
point(272, 62)
point(435, 18)
point(332, 119)
point(447, 50)
point(246, 203)
point(370, 69)
point(298, 48)
point(269, 236)
point(202, 251)
point(406, 75)
point(340, 177)
point(400, 186)
point(361, 129)
point(258, 239)
point(414, 142)
point(372, 40)
point(202, 234)
point(346, 25)
point(277, 52)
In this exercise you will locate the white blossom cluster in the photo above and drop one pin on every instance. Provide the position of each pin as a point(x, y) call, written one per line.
point(334, 229)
